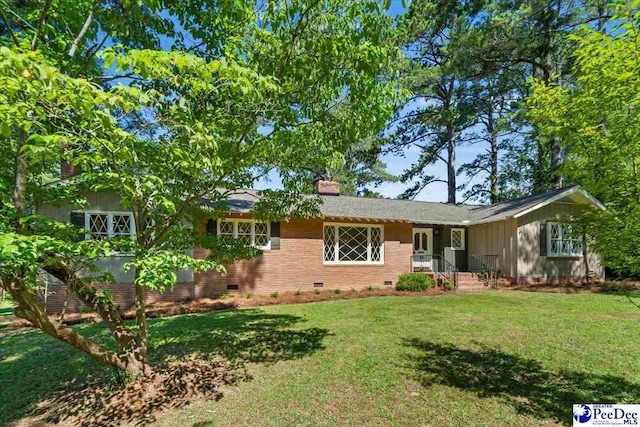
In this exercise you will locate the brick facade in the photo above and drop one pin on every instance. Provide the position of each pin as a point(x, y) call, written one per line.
point(296, 265)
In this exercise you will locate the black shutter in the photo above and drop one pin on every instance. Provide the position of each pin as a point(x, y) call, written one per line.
point(212, 227)
point(275, 236)
point(77, 219)
point(543, 238)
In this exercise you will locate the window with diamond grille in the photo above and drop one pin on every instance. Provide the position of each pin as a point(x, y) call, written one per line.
point(226, 228)
point(352, 244)
point(562, 241)
point(244, 232)
point(261, 234)
point(249, 232)
point(457, 238)
point(104, 225)
point(99, 226)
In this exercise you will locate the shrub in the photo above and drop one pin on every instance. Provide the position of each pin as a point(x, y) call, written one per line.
point(249, 295)
point(317, 291)
point(224, 296)
point(415, 282)
point(370, 288)
point(274, 295)
point(337, 291)
point(297, 293)
point(447, 285)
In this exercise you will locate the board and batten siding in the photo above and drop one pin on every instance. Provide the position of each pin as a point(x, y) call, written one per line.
point(496, 238)
point(533, 267)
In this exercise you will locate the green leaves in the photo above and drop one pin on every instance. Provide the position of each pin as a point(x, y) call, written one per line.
point(599, 124)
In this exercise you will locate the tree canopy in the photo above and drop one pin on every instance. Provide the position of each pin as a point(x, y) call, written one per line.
point(598, 123)
point(178, 103)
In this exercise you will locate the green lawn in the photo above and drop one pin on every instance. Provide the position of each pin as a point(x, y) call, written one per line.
point(493, 358)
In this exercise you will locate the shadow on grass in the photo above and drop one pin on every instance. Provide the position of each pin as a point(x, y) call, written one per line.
point(194, 355)
point(6, 311)
point(523, 383)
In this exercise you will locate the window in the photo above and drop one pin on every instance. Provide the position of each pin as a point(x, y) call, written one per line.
point(457, 239)
point(104, 225)
point(561, 241)
point(249, 232)
point(353, 244)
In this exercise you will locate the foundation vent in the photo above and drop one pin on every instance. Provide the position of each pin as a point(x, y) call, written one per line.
point(318, 285)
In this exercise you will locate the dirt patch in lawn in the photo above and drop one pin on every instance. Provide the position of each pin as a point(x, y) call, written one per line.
point(165, 309)
point(121, 403)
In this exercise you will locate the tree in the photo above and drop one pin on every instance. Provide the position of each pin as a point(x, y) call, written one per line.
point(361, 169)
point(197, 122)
point(598, 122)
point(531, 37)
point(436, 117)
point(493, 95)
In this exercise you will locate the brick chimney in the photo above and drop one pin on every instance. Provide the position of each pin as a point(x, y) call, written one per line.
point(66, 169)
point(328, 188)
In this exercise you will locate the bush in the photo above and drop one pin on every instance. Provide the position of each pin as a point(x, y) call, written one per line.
point(249, 295)
point(337, 291)
point(415, 282)
point(297, 293)
point(274, 295)
point(447, 285)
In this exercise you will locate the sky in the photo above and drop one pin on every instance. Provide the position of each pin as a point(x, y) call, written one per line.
point(435, 192)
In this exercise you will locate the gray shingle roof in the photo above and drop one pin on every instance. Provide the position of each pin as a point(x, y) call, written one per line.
point(393, 209)
point(408, 210)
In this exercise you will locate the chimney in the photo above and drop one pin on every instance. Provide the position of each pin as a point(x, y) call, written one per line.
point(66, 169)
point(328, 188)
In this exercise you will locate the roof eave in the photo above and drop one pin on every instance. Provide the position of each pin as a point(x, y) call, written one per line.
point(561, 196)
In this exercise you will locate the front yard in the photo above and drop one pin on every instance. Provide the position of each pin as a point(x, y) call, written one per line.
point(492, 358)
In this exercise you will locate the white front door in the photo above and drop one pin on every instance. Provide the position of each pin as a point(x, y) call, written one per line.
point(423, 248)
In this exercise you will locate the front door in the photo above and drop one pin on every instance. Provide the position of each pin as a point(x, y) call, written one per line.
point(423, 249)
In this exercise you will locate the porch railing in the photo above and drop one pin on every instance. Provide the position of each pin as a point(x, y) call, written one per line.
point(486, 267)
point(435, 264)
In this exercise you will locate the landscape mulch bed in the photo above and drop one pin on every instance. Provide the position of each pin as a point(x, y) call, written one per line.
point(133, 403)
point(613, 287)
point(203, 305)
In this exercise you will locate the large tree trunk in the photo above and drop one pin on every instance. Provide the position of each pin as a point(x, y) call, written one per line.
point(451, 165)
point(29, 308)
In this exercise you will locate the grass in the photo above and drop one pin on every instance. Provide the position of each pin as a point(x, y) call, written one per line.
point(6, 310)
point(493, 358)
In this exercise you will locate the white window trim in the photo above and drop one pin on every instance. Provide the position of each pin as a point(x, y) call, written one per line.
point(464, 239)
point(336, 225)
point(253, 222)
point(110, 215)
point(550, 254)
